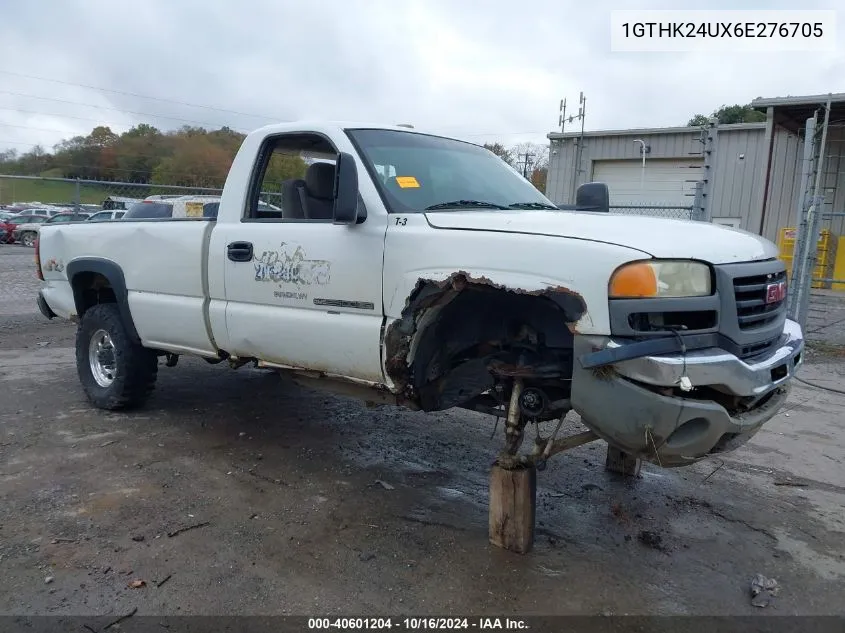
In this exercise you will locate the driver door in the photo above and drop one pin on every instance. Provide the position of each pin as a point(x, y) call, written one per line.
point(302, 291)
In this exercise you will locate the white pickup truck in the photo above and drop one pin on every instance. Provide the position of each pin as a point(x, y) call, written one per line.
point(419, 270)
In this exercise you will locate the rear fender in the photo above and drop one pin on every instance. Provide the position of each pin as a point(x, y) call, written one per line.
point(111, 272)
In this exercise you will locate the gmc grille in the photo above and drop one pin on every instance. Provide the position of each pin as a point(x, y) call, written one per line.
point(751, 308)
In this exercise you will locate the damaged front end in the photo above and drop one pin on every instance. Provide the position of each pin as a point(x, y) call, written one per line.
point(468, 342)
point(663, 402)
point(463, 342)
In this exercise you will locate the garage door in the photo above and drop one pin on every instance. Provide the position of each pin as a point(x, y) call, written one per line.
point(663, 182)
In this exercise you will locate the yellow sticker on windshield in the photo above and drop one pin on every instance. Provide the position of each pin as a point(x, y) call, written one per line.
point(407, 182)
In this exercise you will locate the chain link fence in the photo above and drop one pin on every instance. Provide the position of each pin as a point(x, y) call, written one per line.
point(813, 271)
point(656, 211)
point(696, 210)
point(86, 195)
point(90, 195)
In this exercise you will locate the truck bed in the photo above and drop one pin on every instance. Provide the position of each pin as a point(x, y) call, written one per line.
point(164, 264)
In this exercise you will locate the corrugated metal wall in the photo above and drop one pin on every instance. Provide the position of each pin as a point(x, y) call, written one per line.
point(738, 179)
point(784, 182)
point(558, 180)
point(560, 187)
point(738, 182)
point(739, 176)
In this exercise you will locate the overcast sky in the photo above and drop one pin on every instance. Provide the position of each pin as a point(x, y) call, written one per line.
point(481, 70)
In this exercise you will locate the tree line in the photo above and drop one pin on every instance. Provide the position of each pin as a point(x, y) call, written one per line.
point(189, 156)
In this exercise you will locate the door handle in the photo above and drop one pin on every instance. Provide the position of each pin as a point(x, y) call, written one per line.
point(239, 251)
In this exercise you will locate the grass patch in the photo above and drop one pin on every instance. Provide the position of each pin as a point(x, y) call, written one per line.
point(14, 190)
point(53, 191)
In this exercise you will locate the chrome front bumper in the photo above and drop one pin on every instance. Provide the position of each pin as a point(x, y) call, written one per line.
point(636, 405)
point(717, 367)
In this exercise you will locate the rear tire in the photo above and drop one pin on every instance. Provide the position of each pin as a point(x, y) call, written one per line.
point(115, 372)
point(28, 239)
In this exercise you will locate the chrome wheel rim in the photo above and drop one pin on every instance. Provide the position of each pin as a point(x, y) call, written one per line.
point(28, 240)
point(101, 358)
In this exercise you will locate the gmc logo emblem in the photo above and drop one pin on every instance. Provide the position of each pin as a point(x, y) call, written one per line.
point(776, 292)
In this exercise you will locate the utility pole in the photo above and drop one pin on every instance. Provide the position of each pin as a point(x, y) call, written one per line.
point(526, 157)
point(579, 143)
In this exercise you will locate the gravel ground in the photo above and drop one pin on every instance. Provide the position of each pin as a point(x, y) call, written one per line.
point(277, 489)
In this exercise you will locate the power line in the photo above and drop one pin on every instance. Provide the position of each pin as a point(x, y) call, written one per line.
point(205, 107)
point(21, 143)
point(242, 130)
point(140, 96)
point(70, 116)
point(37, 129)
point(91, 105)
point(41, 129)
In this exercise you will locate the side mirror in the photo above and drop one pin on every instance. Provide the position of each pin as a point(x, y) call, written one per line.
point(593, 196)
point(345, 190)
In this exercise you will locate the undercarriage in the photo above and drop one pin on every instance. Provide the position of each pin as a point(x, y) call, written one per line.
point(522, 406)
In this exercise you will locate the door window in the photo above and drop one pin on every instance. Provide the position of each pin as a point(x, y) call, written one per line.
point(293, 180)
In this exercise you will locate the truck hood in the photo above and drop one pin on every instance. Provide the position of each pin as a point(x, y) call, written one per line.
point(657, 237)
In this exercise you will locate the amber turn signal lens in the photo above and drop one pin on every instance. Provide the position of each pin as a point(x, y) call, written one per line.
point(634, 280)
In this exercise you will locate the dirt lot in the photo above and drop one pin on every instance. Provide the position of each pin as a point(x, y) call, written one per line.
point(280, 483)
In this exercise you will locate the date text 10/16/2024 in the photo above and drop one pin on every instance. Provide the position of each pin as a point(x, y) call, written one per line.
point(418, 623)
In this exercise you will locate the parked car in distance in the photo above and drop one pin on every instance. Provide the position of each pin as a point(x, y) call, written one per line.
point(44, 211)
point(4, 232)
point(118, 203)
point(165, 207)
point(105, 216)
point(26, 234)
point(160, 207)
point(149, 210)
point(20, 219)
point(68, 217)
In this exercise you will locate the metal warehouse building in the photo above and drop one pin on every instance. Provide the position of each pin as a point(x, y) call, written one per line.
point(753, 171)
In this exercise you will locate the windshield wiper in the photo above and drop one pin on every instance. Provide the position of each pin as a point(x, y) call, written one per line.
point(532, 205)
point(457, 204)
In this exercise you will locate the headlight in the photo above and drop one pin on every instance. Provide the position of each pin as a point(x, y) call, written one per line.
point(666, 278)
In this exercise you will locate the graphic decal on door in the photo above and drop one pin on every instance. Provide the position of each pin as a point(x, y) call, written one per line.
point(284, 267)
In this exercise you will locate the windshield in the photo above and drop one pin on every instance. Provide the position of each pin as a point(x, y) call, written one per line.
point(416, 172)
